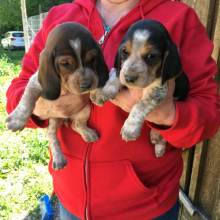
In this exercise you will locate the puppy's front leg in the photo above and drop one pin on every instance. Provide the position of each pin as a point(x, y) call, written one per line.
point(96, 97)
point(59, 161)
point(153, 95)
point(160, 143)
point(112, 86)
point(108, 92)
point(79, 125)
point(17, 120)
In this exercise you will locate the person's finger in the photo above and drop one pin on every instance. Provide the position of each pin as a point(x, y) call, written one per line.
point(171, 84)
point(63, 91)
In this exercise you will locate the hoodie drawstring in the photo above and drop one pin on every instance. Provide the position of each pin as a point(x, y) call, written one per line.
point(90, 13)
point(141, 11)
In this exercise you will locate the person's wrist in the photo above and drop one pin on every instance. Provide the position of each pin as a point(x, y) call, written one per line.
point(167, 120)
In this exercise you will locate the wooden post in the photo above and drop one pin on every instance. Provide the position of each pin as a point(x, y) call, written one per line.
point(40, 14)
point(25, 26)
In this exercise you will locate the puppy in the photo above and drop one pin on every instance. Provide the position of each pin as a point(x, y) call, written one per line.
point(145, 60)
point(74, 59)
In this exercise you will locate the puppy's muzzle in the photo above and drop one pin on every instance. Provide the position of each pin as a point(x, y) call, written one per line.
point(85, 85)
point(130, 78)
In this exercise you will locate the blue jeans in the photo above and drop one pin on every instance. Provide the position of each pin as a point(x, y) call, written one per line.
point(172, 214)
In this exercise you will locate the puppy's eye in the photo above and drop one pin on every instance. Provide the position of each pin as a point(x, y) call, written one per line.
point(150, 56)
point(66, 64)
point(125, 51)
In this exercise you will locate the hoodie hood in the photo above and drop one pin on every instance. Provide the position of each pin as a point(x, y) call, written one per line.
point(94, 23)
point(142, 8)
point(148, 4)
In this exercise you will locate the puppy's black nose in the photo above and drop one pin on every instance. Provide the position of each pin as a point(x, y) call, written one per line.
point(130, 78)
point(85, 85)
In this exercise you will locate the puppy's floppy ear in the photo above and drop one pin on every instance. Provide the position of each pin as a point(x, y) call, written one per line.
point(48, 77)
point(172, 66)
point(102, 68)
point(117, 63)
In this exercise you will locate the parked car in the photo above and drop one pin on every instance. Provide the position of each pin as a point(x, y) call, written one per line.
point(14, 40)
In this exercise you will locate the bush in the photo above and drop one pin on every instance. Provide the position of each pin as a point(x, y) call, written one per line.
point(7, 68)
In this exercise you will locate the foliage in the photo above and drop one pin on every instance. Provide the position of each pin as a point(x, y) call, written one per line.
point(10, 12)
point(23, 159)
point(6, 67)
point(10, 15)
point(14, 56)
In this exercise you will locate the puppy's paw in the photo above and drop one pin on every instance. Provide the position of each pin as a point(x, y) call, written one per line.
point(90, 135)
point(160, 143)
point(130, 131)
point(159, 150)
point(96, 97)
point(156, 137)
point(109, 92)
point(16, 122)
point(112, 86)
point(59, 162)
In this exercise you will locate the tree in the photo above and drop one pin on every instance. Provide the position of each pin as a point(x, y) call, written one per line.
point(10, 15)
point(10, 12)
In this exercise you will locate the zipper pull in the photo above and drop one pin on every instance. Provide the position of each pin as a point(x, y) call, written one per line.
point(103, 37)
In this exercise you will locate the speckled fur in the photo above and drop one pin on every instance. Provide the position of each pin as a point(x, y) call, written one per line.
point(146, 59)
point(132, 126)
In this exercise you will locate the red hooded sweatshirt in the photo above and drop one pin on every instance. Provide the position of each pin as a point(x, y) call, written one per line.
point(113, 179)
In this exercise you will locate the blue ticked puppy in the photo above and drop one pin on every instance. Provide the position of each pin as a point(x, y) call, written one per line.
point(146, 59)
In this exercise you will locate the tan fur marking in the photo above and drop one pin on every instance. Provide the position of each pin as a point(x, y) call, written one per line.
point(146, 49)
point(90, 54)
point(128, 46)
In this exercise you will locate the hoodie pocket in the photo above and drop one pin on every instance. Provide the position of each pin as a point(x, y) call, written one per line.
point(118, 193)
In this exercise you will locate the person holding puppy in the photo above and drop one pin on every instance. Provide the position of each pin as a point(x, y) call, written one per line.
point(111, 178)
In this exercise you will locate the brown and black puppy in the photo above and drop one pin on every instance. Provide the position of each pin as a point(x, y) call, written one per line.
point(146, 59)
point(74, 59)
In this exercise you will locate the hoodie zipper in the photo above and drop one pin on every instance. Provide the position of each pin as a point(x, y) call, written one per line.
point(101, 42)
point(108, 29)
point(85, 172)
point(103, 39)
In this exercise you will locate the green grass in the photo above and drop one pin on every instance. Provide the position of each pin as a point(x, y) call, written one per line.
point(15, 55)
point(24, 156)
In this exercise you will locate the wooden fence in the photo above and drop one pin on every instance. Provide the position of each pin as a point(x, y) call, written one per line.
point(201, 176)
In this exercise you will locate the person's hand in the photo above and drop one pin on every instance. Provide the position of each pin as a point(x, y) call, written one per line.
point(65, 106)
point(164, 114)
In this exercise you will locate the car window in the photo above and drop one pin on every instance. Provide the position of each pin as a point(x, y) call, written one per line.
point(7, 35)
point(17, 34)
